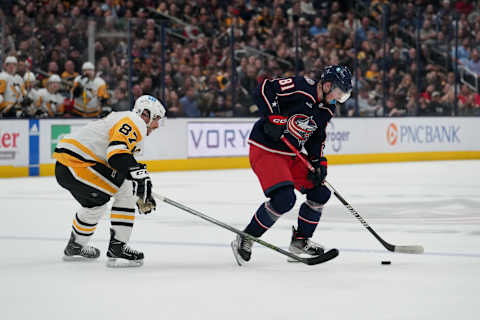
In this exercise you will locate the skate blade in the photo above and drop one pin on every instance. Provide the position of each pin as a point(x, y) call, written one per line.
point(237, 257)
point(123, 263)
point(78, 259)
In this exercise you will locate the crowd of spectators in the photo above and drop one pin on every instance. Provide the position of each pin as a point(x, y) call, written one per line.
point(391, 77)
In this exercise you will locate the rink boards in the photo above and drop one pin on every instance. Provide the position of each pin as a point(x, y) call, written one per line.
point(26, 146)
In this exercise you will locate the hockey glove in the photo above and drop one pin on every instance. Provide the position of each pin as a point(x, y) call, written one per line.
point(142, 184)
point(77, 91)
point(146, 207)
point(274, 126)
point(320, 173)
point(27, 101)
point(142, 188)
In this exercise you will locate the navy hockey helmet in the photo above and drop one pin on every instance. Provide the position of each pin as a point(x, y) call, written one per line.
point(341, 78)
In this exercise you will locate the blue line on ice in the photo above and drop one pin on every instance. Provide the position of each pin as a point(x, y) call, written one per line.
point(223, 245)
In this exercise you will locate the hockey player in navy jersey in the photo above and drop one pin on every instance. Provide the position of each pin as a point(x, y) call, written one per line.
point(298, 108)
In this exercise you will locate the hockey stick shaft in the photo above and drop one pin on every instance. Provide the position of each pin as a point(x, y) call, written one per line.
point(404, 249)
point(228, 227)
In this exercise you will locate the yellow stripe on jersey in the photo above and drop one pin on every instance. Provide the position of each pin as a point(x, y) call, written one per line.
point(71, 161)
point(83, 148)
point(125, 130)
point(102, 91)
point(87, 176)
point(3, 86)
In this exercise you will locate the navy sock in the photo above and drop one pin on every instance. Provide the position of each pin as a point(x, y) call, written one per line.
point(308, 219)
point(262, 220)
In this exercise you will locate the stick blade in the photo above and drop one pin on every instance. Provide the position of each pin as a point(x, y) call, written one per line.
point(327, 256)
point(409, 249)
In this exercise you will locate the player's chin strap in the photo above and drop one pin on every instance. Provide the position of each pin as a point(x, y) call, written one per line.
point(394, 248)
point(309, 261)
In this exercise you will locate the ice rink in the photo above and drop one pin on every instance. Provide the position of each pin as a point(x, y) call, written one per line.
point(190, 272)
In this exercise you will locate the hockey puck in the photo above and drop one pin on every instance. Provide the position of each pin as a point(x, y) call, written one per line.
point(386, 262)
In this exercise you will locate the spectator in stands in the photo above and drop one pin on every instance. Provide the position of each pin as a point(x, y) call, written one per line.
point(437, 107)
point(465, 101)
point(463, 52)
point(318, 28)
point(361, 33)
point(424, 108)
point(427, 33)
point(52, 69)
point(136, 91)
point(351, 23)
point(476, 104)
point(120, 100)
point(175, 108)
point(69, 74)
point(59, 34)
point(189, 103)
point(394, 109)
point(473, 63)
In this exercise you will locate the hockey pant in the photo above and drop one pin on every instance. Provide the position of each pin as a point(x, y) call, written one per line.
point(93, 187)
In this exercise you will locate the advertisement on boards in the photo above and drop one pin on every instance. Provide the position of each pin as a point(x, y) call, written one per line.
point(218, 139)
point(14, 137)
point(52, 131)
point(431, 134)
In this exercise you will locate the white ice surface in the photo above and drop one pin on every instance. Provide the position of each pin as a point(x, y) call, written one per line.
point(190, 273)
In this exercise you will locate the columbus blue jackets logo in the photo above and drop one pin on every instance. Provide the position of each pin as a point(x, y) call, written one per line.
point(301, 127)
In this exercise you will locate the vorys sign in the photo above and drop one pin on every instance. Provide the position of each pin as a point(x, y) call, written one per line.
point(423, 134)
point(218, 139)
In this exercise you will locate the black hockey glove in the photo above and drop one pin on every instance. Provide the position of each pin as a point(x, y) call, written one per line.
point(106, 110)
point(142, 188)
point(27, 101)
point(318, 176)
point(77, 91)
point(274, 126)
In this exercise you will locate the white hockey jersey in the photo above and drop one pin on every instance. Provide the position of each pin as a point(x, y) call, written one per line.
point(88, 104)
point(119, 132)
point(50, 103)
point(12, 90)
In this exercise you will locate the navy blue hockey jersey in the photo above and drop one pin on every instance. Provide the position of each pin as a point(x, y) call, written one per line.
point(297, 99)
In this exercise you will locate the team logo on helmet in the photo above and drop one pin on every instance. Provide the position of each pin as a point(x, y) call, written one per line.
point(301, 127)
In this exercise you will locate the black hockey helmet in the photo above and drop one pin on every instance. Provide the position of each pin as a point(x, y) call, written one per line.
point(341, 78)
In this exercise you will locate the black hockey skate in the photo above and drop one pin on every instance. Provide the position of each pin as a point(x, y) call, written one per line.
point(120, 255)
point(304, 247)
point(242, 249)
point(76, 252)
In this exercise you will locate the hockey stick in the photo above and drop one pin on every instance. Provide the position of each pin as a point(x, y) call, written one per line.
point(329, 255)
point(416, 249)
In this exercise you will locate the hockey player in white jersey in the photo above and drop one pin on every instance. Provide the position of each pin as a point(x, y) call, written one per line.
point(89, 93)
point(50, 103)
point(11, 89)
point(31, 94)
point(96, 163)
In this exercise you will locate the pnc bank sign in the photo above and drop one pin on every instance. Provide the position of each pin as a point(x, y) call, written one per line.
point(422, 134)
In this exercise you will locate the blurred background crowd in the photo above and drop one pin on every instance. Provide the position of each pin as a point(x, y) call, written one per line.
point(204, 58)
